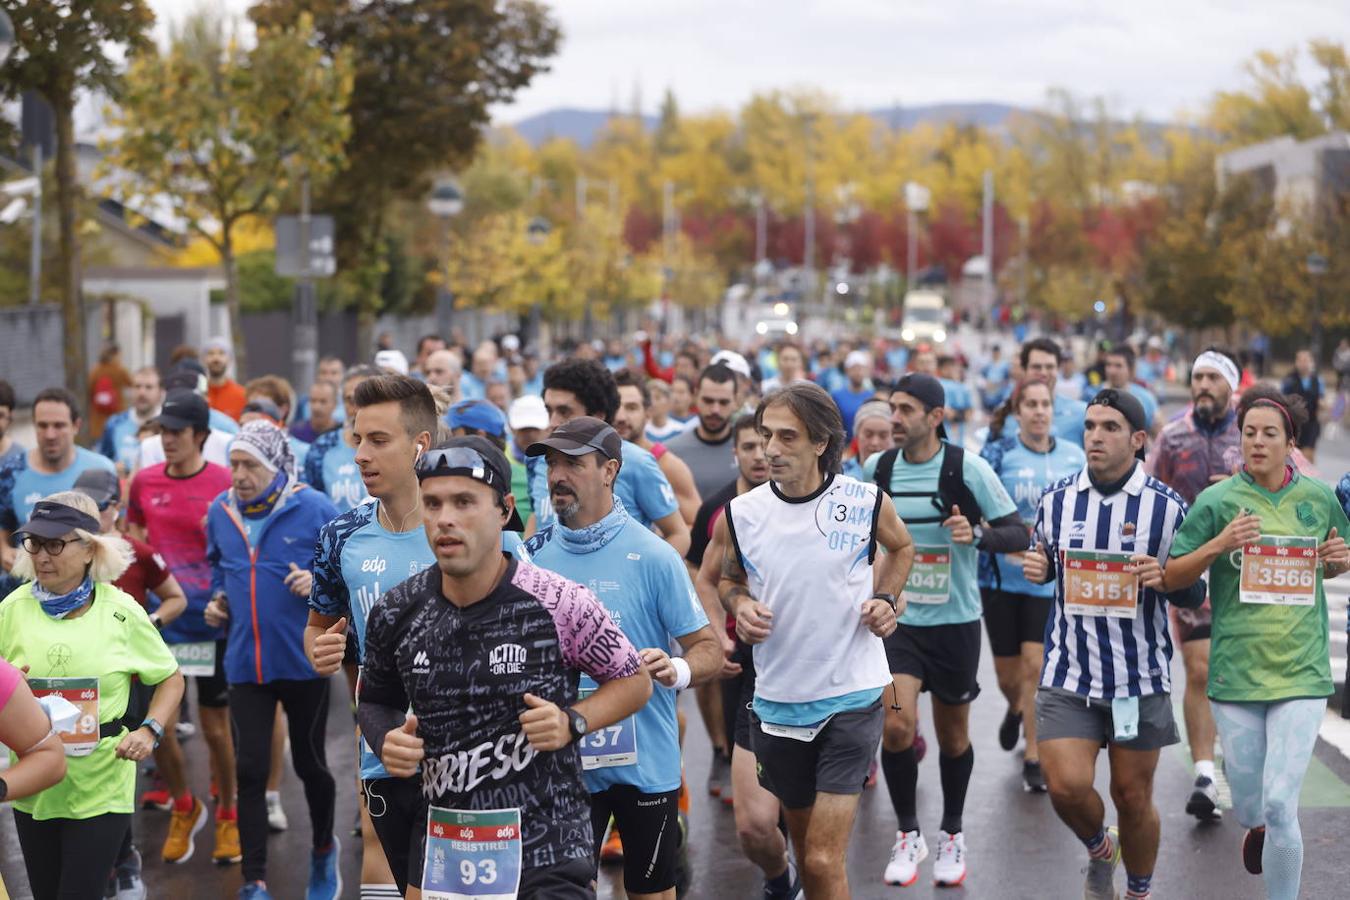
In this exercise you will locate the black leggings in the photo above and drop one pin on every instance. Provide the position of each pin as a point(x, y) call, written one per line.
point(69, 859)
point(253, 709)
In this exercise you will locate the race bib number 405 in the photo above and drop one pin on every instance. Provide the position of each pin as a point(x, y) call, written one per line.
point(195, 659)
point(472, 854)
point(1280, 571)
point(930, 580)
point(1100, 584)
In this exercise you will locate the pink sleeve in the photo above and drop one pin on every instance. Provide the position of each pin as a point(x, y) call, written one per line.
point(588, 638)
point(9, 680)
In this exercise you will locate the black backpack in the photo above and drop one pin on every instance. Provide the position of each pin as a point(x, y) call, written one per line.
point(951, 490)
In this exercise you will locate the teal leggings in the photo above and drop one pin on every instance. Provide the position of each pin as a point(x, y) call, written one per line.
point(1266, 751)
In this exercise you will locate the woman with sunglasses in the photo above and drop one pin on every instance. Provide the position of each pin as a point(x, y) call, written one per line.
point(1268, 536)
point(83, 640)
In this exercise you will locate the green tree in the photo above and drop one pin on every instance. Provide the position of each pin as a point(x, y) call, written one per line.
point(64, 47)
point(426, 74)
point(221, 133)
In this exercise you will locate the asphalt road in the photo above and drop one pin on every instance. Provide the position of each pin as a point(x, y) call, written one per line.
point(1017, 846)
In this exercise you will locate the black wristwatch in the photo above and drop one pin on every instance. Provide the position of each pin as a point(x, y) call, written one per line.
point(4, 790)
point(889, 598)
point(155, 728)
point(156, 621)
point(976, 535)
point(577, 726)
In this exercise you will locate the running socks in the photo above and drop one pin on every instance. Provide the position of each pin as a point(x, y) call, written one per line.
point(955, 771)
point(380, 892)
point(1204, 768)
point(1099, 845)
point(1139, 887)
point(902, 780)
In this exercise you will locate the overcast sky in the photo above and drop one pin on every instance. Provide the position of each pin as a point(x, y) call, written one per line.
point(1155, 57)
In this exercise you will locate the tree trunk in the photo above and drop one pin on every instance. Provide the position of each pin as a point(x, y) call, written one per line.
point(68, 257)
point(233, 305)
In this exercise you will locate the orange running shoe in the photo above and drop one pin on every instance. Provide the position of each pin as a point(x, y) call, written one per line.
point(612, 851)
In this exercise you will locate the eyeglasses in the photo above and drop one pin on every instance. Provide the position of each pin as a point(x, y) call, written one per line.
point(53, 546)
point(458, 461)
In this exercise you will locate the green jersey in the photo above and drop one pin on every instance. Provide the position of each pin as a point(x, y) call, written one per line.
point(1270, 637)
point(110, 643)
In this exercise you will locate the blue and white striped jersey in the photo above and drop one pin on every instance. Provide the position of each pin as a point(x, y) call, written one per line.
point(1099, 656)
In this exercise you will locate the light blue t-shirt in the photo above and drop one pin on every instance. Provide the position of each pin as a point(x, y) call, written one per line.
point(645, 587)
point(22, 486)
point(1025, 475)
point(957, 399)
point(642, 486)
point(1147, 400)
point(121, 442)
point(300, 450)
point(1067, 423)
point(963, 595)
point(342, 478)
point(222, 422)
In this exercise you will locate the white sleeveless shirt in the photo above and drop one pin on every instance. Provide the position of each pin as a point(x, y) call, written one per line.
point(809, 560)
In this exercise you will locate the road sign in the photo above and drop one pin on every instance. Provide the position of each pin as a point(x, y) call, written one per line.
point(322, 256)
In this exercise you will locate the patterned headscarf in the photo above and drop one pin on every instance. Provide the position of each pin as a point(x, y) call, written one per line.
point(268, 444)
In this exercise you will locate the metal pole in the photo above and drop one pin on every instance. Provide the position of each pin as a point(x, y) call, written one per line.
point(761, 229)
point(911, 248)
point(35, 251)
point(445, 300)
point(305, 350)
point(988, 240)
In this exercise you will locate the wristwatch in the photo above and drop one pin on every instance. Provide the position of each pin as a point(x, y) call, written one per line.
point(156, 621)
point(155, 728)
point(4, 790)
point(889, 598)
point(577, 726)
point(977, 535)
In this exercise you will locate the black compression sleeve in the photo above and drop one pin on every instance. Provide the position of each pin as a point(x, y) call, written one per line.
point(1192, 597)
point(1005, 535)
point(376, 721)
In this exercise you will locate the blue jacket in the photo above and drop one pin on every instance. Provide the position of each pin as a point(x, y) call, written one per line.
point(267, 621)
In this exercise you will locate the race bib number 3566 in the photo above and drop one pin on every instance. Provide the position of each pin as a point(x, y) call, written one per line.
point(472, 854)
point(1280, 571)
point(1100, 584)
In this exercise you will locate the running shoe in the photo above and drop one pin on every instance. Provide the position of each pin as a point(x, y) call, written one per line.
point(185, 731)
point(325, 877)
point(227, 850)
point(1101, 873)
point(1204, 800)
point(276, 816)
point(183, 828)
point(1033, 779)
point(920, 747)
point(794, 889)
point(1253, 842)
point(157, 798)
point(719, 773)
point(1010, 729)
point(908, 852)
point(728, 795)
point(254, 890)
point(128, 878)
point(949, 869)
point(612, 850)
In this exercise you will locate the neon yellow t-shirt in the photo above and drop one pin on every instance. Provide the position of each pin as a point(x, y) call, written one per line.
point(112, 641)
point(1261, 652)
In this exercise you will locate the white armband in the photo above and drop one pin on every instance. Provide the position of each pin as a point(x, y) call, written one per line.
point(682, 673)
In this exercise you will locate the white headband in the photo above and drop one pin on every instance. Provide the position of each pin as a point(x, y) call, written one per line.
point(1220, 363)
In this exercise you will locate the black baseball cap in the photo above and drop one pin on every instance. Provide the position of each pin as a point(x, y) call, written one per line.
point(582, 435)
point(184, 408)
point(1127, 405)
point(54, 520)
point(928, 391)
point(471, 456)
point(100, 485)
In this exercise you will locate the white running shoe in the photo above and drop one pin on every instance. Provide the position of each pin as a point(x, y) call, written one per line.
point(908, 852)
point(276, 816)
point(1101, 873)
point(949, 869)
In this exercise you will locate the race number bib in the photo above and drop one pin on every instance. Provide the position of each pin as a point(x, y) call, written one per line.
point(930, 581)
point(195, 659)
point(472, 854)
point(1280, 571)
point(605, 748)
point(1100, 584)
point(82, 738)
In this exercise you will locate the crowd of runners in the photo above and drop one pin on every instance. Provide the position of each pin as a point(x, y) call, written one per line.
point(517, 564)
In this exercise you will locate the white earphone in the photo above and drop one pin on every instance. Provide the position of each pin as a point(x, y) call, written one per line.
point(419, 449)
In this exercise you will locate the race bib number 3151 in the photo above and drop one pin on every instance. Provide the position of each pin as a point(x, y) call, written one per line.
point(1280, 571)
point(472, 854)
point(1100, 584)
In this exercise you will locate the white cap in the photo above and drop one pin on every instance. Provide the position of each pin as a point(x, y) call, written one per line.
point(733, 361)
point(510, 343)
point(527, 412)
point(392, 359)
point(857, 358)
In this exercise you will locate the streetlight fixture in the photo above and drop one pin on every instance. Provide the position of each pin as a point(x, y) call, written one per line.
point(446, 202)
point(1317, 267)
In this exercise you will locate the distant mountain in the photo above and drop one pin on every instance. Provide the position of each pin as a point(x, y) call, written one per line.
point(582, 125)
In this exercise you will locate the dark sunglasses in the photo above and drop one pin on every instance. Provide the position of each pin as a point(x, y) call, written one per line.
point(53, 546)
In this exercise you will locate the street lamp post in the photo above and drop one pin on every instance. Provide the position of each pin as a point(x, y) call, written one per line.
point(1317, 267)
point(445, 202)
point(916, 201)
point(536, 232)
